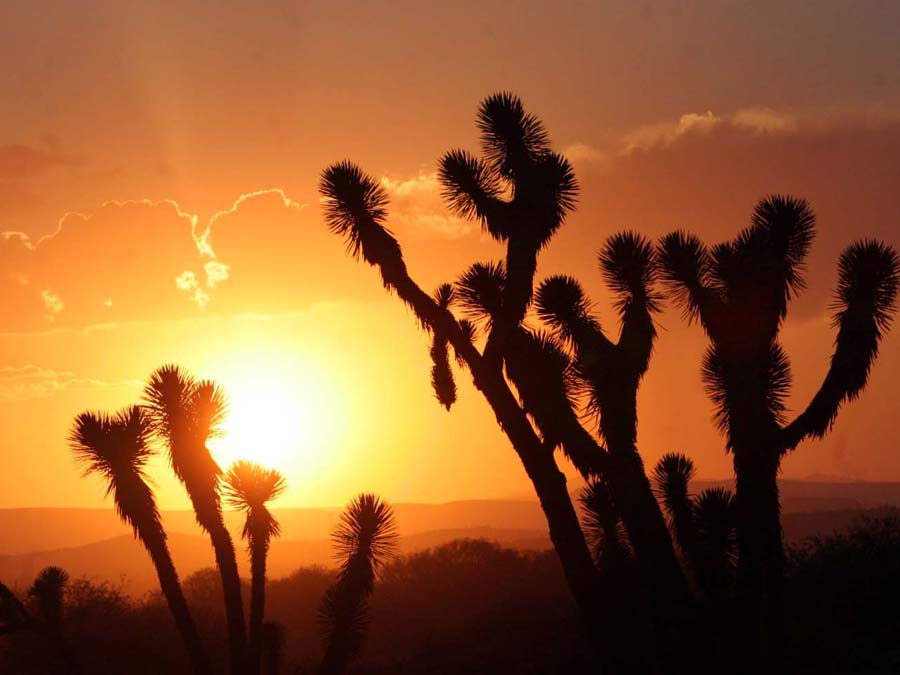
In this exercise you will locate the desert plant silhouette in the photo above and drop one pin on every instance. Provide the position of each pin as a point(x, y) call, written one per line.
point(248, 486)
point(117, 448)
point(610, 374)
point(739, 291)
point(364, 539)
point(704, 525)
point(47, 590)
point(521, 192)
point(184, 413)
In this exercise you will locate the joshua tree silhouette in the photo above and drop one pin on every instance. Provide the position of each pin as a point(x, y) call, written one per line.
point(521, 191)
point(248, 486)
point(117, 448)
point(739, 291)
point(704, 525)
point(184, 413)
point(365, 538)
point(47, 590)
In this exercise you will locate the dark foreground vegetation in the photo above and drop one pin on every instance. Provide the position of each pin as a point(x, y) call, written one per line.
point(472, 607)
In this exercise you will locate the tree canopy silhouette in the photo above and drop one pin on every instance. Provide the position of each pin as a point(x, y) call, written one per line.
point(117, 448)
point(739, 292)
point(521, 192)
point(364, 539)
point(184, 413)
point(248, 487)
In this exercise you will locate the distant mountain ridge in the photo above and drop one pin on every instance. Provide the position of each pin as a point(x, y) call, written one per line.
point(42, 529)
point(93, 542)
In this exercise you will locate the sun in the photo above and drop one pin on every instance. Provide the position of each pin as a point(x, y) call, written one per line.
point(280, 414)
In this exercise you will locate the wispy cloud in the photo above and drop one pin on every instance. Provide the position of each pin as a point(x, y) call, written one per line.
point(418, 207)
point(32, 381)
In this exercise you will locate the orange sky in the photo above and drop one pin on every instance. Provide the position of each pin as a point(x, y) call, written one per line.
point(128, 133)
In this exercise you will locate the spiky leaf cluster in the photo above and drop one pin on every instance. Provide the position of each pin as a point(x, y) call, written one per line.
point(364, 538)
point(48, 591)
point(249, 486)
point(117, 448)
point(184, 413)
point(603, 526)
point(355, 208)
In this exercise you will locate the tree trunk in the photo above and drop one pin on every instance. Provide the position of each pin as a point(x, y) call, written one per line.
point(257, 603)
point(611, 617)
point(171, 590)
point(668, 590)
point(608, 625)
point(656, 559)
point(760, 574)
point(231, 589)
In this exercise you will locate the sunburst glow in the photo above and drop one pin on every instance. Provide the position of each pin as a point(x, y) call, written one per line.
point(279, 416)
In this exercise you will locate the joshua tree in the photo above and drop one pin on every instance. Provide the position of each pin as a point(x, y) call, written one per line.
point(739, 291)
point(364, 538)
point(248, 486)
point(704, 525)
point(117, 448)
point(47, 590)
point(185, 413)
point(521, 192)
point(610, 374)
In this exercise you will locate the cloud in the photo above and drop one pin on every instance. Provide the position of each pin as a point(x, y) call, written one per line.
point(584, 153)
point(418, 209)
point(118, 261)
point(31, 381)
point(666, 133)
point(764, 120)
point(52, 303)
point(268, 252)
point(704, 172)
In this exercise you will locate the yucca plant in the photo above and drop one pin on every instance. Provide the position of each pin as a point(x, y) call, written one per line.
point(184, 413)
point(117, 448)
point(521, 191)
point(364, 539)
point(249, 487)
point(704, 524)
point(739, 291)
point(609, 374)
point(47, 590)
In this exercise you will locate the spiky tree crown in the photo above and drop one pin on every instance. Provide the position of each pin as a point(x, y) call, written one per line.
point(113, 446)
point(629, 266)
point(672, 476)
point(248, 486)
point(356, 208)
point(117, 448)
point(48, 589)
point(521, 189)
point(479, 291)
point(562, 305)
point(366, 530)
point(185, 413)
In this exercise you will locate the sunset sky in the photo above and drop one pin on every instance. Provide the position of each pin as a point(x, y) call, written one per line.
point(158, 173)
